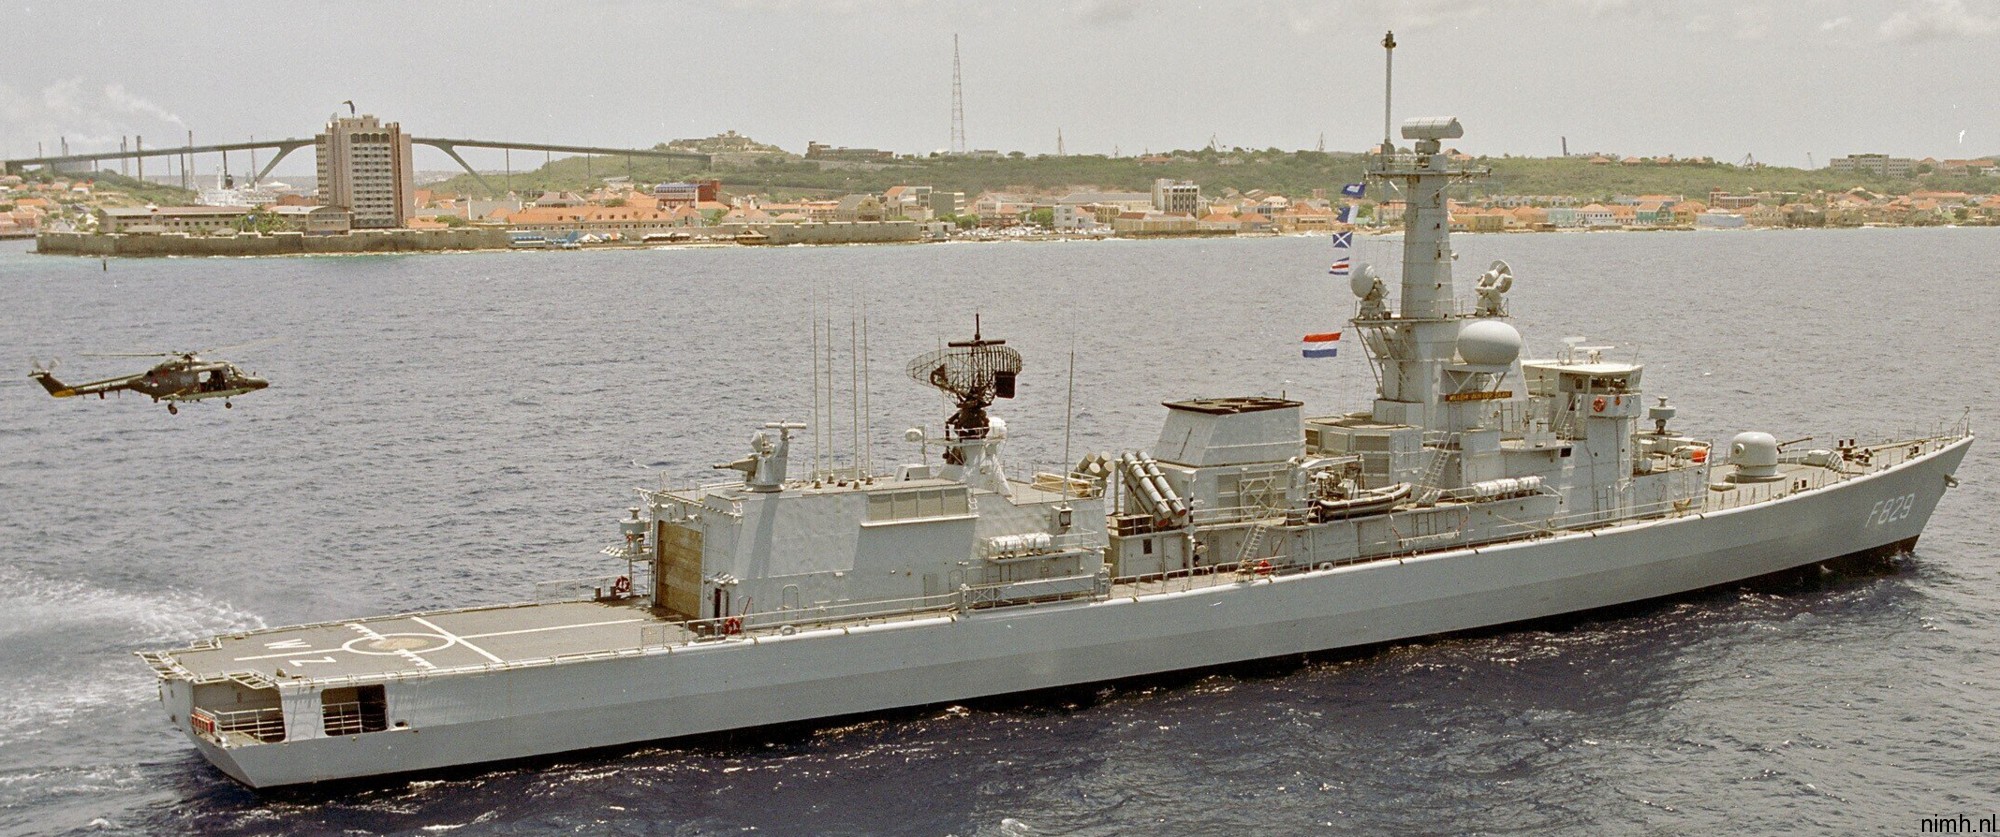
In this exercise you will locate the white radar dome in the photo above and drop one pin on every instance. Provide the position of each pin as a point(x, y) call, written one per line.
point(1489, 343)
point(1363, 279)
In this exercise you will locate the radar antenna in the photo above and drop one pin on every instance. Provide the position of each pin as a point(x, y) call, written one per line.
point(974, 372)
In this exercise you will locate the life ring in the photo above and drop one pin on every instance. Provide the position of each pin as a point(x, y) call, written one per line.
point(1597, 406)
point(1324, 566)
point(732, 625)
point(1263, 567)
point(622, 587)
point(787, 630)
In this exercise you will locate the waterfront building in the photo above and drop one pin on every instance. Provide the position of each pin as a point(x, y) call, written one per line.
point(314, 220)
point(911, 202)
point(365, 166)
point(860, 207)
point(947, 203)
point(1154, 223)
point(671, 195)
point(1305, 217)
point(141, 220)
point(1176, 197)
point(1069, 217)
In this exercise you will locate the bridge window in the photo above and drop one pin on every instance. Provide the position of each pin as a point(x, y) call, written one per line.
point(917, 502)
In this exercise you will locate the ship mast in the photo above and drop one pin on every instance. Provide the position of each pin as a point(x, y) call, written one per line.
point(1388, 77)
point(1413, 343)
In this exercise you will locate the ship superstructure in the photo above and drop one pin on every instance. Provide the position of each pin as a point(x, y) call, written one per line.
point(1479, 489)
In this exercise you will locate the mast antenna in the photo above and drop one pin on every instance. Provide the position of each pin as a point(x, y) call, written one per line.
point(1388, 78)
point(813, 373)
point(1069, 412)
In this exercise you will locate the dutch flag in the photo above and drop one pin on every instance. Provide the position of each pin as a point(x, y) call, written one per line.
point(1322, 345)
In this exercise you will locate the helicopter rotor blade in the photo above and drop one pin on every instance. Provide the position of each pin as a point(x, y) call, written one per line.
point(241, 346)
point(133, 354)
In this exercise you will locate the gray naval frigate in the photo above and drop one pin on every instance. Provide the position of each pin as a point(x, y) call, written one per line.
point(1480, 489)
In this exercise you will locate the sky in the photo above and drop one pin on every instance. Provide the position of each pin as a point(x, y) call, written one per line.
point(1775, 80)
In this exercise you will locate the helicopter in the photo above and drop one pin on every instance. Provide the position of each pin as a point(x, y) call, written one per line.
point(183, 376)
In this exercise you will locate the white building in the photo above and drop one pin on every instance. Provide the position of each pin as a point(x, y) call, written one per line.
point(1178, 197)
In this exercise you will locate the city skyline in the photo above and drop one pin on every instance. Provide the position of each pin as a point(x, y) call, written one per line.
point(1705, 78)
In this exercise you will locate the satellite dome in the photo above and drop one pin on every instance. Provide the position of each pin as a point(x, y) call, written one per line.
point(1362, 281)
point(1489, 343)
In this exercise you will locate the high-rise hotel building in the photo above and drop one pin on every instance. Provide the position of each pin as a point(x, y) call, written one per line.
point(365, 166)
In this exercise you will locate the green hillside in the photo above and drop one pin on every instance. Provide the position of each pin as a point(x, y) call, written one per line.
point(1294, 173)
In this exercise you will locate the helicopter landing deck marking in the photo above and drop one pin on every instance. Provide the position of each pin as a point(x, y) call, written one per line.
point(415, 660)
point(551, 628)
point(457, 639)
point(396, 644)
point(399, 645)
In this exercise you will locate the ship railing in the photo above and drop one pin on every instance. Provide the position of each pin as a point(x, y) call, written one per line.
point(1225, 573)
point(764, 621)
point(1225, 515)
point(351, 718)
point(266, 725)
point(786, 621)
point(1456, 307)
point(586, 589)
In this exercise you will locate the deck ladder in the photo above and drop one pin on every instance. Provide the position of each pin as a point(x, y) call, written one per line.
point(1251, 543)
point(1429, 486)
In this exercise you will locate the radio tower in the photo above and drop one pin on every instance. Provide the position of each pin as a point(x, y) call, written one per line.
point(957, 102)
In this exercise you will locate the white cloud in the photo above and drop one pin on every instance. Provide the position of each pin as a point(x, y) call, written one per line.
point(1836, 23)
point(1934, 19)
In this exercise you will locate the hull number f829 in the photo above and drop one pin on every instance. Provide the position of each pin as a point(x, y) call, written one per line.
point(1891, 510)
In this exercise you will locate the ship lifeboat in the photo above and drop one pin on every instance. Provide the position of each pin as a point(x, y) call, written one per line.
point(1363, 502)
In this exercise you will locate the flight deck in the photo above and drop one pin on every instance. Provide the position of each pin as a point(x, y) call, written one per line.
point(422, 643)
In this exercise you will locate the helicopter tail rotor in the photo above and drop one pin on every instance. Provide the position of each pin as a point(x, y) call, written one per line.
point(43, 375)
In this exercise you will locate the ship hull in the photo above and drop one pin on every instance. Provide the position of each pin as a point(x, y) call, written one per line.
point(739, 683)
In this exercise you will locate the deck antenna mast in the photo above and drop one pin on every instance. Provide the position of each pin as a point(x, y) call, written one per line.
point(1388, 79)
point(812, 373)
point(867, 417)
point(832, 440)
point(855, 393)
point(1069, 412)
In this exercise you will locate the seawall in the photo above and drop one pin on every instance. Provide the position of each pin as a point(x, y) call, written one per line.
point(274, 244)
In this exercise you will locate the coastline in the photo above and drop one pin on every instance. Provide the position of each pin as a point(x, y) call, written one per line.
point(438, 242)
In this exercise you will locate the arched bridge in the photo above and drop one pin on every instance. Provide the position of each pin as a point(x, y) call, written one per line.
point(285, 147)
